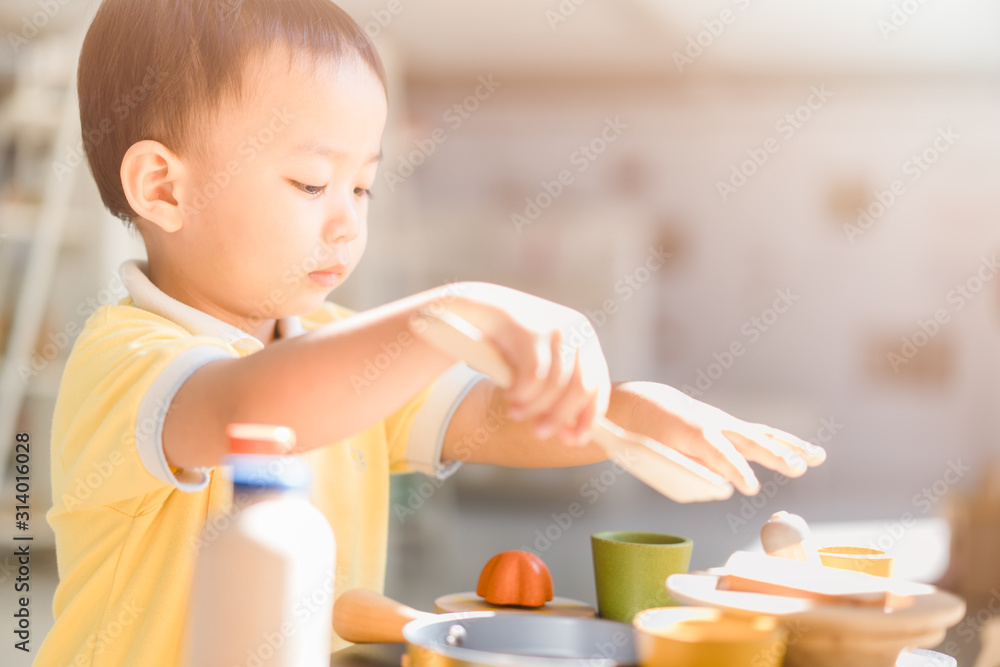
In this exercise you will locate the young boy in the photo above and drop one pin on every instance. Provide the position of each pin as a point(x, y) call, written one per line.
point(246, 167)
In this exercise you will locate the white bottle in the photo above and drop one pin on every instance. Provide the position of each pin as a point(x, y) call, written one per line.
point(263, 586)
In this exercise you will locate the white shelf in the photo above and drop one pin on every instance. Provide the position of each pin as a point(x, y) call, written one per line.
point(18, 221)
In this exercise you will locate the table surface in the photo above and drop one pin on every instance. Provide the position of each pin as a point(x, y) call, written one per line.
point(388, 655)
point(369, 655)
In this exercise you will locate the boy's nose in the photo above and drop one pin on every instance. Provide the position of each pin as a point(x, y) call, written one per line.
point(343, 225)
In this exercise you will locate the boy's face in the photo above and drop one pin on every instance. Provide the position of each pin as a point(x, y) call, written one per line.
point(275, 214)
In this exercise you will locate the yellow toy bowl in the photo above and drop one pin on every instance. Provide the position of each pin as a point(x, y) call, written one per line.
point(859, 559)
point(704, 637)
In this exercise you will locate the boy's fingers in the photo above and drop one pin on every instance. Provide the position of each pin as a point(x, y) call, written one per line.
point(813, 454)
point(567, 409)
point(756, 447)
point(744, 479)
point(531, 370)
point(721, 456)
point(554, 383)
point(583, 431)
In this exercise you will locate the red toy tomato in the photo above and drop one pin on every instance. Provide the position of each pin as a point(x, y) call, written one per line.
point(515, 578)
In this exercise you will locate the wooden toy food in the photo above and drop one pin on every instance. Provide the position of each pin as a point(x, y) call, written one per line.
point(755, 573)
point(787, 535)
point(858, 559)
point(515, 578)
point(835, 617)
point(514, 581)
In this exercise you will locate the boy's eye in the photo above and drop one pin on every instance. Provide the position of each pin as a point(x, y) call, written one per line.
point(363, 192)
point(310, 189)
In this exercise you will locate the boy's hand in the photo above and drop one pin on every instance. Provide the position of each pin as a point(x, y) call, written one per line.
point(711, 436)
point(560, 374)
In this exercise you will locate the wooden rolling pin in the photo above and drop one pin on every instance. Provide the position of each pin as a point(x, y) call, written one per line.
point(668, 471)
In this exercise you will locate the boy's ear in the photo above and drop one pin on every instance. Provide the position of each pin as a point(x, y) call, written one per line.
point(154, 179)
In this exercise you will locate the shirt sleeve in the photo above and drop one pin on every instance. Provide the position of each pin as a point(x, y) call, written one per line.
point(415, 433)
point(153, 412)
point(117, 387)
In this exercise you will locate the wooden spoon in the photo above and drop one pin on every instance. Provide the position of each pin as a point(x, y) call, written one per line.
point(668, 471)
point(365, 617)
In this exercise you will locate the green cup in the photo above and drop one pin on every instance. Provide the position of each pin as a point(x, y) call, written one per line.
point(631, 570)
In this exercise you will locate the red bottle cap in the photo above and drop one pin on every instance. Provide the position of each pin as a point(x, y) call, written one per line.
point(260, 439)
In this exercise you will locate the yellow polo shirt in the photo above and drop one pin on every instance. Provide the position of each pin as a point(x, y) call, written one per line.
point(128, 526)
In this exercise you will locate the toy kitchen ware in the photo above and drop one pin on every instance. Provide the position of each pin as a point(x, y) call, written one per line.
point(859, 559)
point(630, 568)
point(514, 581)
point(274, 550)
point(704, 637)
point(515, 578)
point(509, 639)
point(834, 617)
point(788, 536)
point(671, 473)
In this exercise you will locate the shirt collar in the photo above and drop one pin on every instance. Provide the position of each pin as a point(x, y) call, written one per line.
point(146, 295)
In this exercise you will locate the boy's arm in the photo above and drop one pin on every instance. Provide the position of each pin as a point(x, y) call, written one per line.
point(481, 432)
point(310, 382)
point(303, 382)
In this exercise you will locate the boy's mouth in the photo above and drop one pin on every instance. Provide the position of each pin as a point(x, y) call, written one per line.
point(328, 277)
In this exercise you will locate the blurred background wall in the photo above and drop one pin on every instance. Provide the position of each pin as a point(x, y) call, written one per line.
point(820, 177)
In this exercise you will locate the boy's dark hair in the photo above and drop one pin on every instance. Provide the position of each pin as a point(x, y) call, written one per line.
point(150, 68)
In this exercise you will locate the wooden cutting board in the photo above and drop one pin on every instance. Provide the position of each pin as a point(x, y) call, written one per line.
point(832, 635)
point(471, 602)
point(758, 573)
